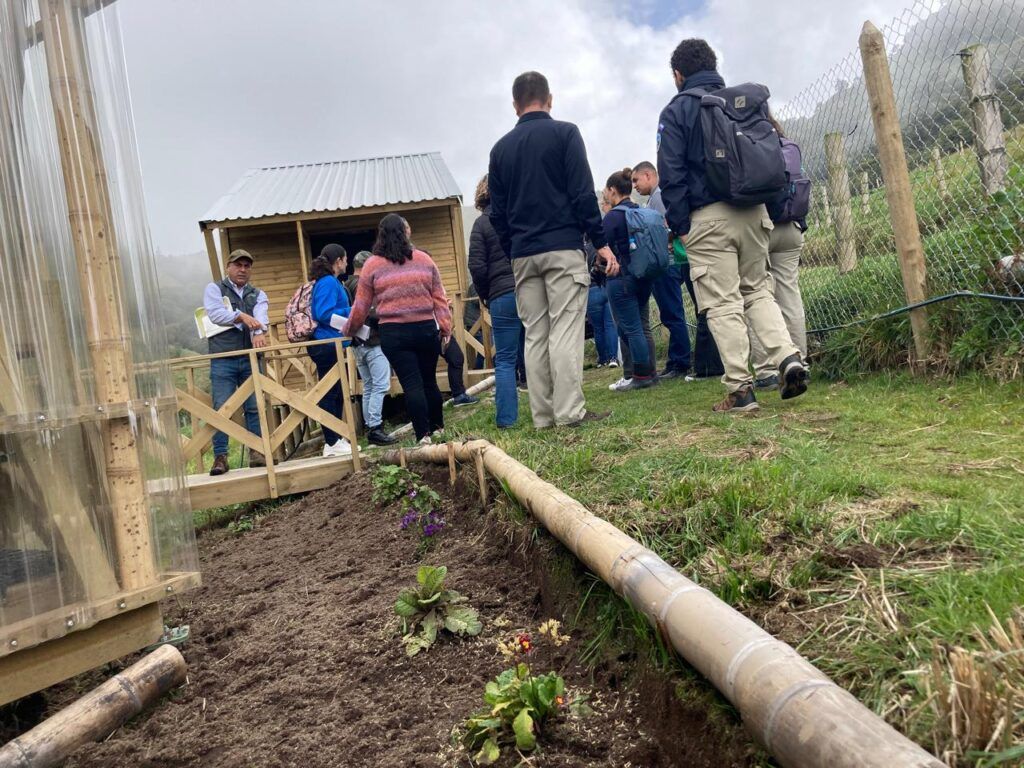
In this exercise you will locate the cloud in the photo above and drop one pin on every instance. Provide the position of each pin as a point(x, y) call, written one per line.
point(223, 86)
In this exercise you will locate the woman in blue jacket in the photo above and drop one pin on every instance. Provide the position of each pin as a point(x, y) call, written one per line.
point(330, 301)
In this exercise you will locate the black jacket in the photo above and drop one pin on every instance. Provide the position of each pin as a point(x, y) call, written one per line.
point(617, 232)
point(542, 191)
point(489, 266)
point(681, 172)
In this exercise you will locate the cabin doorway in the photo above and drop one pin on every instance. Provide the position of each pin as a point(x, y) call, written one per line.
point(352, 241)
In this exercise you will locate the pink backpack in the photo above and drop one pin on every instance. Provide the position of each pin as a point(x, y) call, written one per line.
point(298, 315)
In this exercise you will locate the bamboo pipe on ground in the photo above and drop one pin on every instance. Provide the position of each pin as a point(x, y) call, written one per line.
point(481, 386)
point(98, 713)
point(803, 718)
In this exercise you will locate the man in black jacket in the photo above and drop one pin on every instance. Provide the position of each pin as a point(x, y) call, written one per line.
point(542, 203)
point(727, 245)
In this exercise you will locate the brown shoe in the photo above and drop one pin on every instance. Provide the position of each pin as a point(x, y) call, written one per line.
point(589, 417)
point(257, 459)
point(740, 401)
point(220, 464)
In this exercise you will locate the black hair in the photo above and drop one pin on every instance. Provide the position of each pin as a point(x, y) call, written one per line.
point(645, 165)
point(775, 123)
point(392, 242)
point(621, 181)
point(530, 88)
point(323, 264)
point(693, 55)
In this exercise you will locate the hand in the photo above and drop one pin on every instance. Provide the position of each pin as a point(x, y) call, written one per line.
point(611, 268)
point(250, 322)
point(346, 330)
point(260, 340)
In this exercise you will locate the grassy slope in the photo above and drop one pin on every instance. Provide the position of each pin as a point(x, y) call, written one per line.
point(862, 522)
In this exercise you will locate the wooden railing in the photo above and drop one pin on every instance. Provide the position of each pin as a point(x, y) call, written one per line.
point(467, 337)
point(287, 392)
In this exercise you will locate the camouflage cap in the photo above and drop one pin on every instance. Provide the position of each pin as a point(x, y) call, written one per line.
point(361, 258)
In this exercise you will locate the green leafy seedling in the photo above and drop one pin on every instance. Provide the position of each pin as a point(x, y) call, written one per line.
point(429, 608)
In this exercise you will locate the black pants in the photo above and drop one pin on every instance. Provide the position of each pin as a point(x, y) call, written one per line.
point(413, 349)
point(706, 360)
point(325, 358)
point(456, 361)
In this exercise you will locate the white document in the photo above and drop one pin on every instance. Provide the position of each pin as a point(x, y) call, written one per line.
point(206, 327)
point(338, 322)
point(363, 334)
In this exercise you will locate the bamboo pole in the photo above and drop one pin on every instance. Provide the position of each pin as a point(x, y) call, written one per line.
point(839, 191)
point(988, 122)
point(804, 719)
point(895, 174)
point(99, 713)
point(92, 232)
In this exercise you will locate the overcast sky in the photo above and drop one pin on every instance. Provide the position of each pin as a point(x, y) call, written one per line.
point(220, 86)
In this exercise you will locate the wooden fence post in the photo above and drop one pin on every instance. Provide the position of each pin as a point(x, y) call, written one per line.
point(896, 176)
point(839, 191)
point(826, 207)
point(865, 193)
point(940, 174)
point(988, 122)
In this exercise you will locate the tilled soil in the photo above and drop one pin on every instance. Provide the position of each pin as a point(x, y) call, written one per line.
point(294, 658)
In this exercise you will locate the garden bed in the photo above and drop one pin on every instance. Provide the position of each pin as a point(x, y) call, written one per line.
point(296, 658)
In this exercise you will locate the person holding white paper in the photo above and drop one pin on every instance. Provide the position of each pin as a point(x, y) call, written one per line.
point(330, 308)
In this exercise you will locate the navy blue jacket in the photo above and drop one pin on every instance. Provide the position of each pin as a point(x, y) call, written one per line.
point(681, 171)
point(542, 191)
point(617, 232)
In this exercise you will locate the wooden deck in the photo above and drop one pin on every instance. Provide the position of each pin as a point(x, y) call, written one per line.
point(251, 484)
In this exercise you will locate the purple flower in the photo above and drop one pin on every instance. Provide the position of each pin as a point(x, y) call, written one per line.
point(430, 529)
point(412, 494)
point(408, 519)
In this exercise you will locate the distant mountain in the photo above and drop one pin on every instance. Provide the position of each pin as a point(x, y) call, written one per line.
point(182, 279)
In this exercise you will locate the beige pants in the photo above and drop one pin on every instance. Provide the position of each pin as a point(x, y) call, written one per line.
point(551, 296)
point(784, 246)
point(728, 250)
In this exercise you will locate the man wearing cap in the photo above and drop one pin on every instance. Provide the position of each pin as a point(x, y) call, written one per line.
point(374, 369)
point(245, 324)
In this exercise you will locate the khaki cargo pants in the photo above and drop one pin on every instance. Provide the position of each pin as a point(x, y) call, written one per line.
point(551, 297)
point(728, 251)
point(784, 248)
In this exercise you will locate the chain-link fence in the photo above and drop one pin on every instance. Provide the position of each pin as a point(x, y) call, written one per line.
point(958, 76)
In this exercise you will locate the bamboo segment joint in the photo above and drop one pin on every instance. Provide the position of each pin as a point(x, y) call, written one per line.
point(784, 698)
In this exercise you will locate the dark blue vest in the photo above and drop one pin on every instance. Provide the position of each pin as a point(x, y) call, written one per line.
point(234, 339)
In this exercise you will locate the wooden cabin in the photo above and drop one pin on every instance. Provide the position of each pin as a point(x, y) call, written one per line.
point(283, 215)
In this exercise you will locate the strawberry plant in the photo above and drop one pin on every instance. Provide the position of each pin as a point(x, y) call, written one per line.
point(429, 608)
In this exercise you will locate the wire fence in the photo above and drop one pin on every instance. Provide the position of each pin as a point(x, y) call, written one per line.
point(958, 77)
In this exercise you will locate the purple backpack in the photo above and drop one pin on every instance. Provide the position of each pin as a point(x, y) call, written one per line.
point(798, 188)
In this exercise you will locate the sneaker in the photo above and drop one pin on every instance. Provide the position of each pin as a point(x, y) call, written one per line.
point(340, 448)
point(740, 401)
point(613, 363)
point(522, 386)
point(220, 464)
point(377, 436)
point(589, 417)
point(794, 377)
point(620, 384)
point(768, 382)
point(601, 365)
point(464, 399)
point(257, 459)
point(638, 382)
point(672, 373)
point(425, 440)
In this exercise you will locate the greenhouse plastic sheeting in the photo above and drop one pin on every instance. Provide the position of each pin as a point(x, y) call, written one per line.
point(93, 502)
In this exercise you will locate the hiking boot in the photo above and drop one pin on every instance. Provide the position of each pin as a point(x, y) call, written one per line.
point(377, 436)
point(638, 382)
point(257, 459)
point(220, 464)
point(740, 401)
point(588, 418)
point(768, 382)
point(620, 384)
point(794, 377)
point(672, 373)
point(464, 399)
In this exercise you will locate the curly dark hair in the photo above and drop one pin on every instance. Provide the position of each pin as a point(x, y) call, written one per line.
point(482, 197)
point(392, 242)
point(693, 55)
point(621, 181)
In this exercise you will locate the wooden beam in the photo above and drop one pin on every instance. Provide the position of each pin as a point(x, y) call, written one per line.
point(251, 484)
point(303, 252)
point(459, 233)
point(261, 410)
point(216, 272)
point(289, 217)
point(220, 421)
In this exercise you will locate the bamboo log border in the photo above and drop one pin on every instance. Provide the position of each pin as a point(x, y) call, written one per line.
point(803, 718)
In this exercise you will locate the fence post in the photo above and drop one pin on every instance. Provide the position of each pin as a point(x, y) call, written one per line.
point(896, 176)
point(865, 193)
point(940, 173)
point(839, 191)
point(988, 123)
point(826, 207)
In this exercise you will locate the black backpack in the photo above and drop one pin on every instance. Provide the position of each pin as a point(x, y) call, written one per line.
point(742, 153)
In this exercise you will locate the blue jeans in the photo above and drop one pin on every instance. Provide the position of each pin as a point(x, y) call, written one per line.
point(325, 357)
point(227, 374)
point(375, 371)
point(627, 294)
point(508, 334)
point(669, 297)
point(606, 337)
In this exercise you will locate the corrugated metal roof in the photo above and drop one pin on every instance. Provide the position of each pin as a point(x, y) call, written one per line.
point(338, 186)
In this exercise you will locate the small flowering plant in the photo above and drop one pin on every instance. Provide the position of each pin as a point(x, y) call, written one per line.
point(420, 504)
point(429, 608)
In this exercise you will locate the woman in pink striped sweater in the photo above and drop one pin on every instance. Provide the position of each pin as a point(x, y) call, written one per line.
point(405, 286)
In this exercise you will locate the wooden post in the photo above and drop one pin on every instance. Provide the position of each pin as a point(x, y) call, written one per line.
point(940, 173)
point(839, 191)
point(896, 176)
point(216, 270)
point(452, 474)
point(346, 402)
point(865, 193)
point(988, 122)
point(265, 432)
point(225, 246)
point(481, 477)
point(826, 206)
point(303, 255)
point(93, 236)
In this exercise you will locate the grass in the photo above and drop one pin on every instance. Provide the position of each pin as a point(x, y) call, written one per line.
point(864, 523)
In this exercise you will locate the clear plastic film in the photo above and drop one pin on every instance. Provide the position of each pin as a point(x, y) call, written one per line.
point(94, 513)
